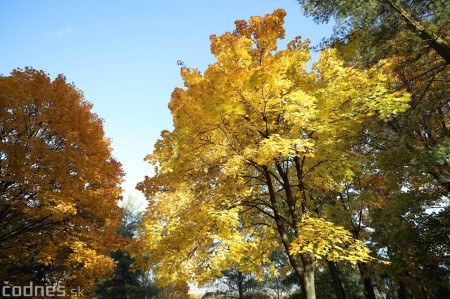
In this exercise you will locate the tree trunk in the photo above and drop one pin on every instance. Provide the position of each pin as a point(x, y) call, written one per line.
point(240, 285)
point(308, 276)
point(401, 292)
point(433, 41)
point(336, 279)
point(369, 293)
point(301, 264)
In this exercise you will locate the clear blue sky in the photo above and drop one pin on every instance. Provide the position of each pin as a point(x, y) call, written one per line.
point(123, 55)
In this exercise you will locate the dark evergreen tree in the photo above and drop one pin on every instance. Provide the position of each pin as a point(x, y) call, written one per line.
point(126, 281)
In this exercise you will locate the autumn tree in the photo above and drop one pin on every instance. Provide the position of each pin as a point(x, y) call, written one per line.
point(58, 182)
point(258, 142)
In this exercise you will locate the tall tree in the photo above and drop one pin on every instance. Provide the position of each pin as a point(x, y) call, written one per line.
point(58, 181)
point(238, 282)
point(426, 20)
point(257, 142)
point(410, 153)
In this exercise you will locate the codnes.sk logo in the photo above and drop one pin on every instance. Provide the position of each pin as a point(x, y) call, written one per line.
point(32, 290)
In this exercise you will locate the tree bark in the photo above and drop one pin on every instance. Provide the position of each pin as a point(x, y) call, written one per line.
point(302, 265)
point(240, 285)
point(401, 292)
point(433, 41)
point(308, 276)
point(336, 280)
point(369, 293)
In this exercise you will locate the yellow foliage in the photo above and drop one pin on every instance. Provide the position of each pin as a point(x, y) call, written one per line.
point(325, 240)
point(256, 137)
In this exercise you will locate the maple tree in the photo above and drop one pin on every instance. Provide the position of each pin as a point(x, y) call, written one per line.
point(257, 142)
point(58, 181)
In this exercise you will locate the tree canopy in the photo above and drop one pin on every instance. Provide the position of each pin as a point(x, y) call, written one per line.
point(277, 173)
point(58, 181)
point(424, 21)
point(410, 153)
point(258, 142)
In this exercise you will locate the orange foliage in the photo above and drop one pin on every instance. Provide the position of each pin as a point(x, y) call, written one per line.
point(59, 183)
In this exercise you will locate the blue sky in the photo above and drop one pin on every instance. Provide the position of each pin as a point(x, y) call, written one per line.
point(123, 55)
